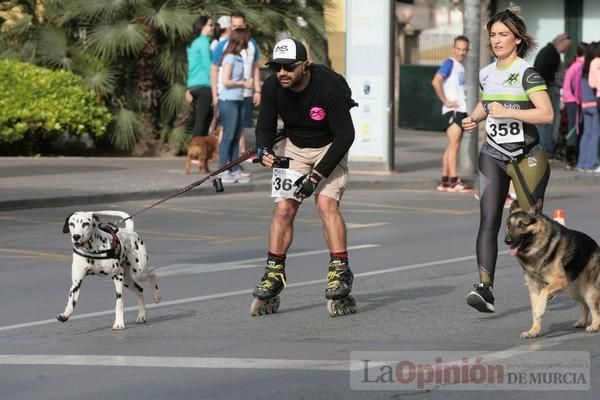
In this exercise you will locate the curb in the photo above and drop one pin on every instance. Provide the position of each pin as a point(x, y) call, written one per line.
point(84, 200)
point(576, 179)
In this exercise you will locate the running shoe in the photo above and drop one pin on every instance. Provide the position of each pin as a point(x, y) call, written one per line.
point(240, 177)
point(481, 298)
point(459, 187)
point(228, 177)
point(244, 173)
point(442, 187)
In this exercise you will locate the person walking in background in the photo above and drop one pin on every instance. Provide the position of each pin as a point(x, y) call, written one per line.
point(547, 63)
point(572, 101)
point(449, 84)
point(198, 79)
point(231, 99)
point(588, 145)
point(514, 98)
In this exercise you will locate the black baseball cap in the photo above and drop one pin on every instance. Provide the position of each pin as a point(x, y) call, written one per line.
point(288, 51)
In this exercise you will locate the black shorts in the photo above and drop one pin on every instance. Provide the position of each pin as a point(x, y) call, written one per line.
point(455, 117)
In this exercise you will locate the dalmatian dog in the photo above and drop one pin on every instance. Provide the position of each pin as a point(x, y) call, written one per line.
point(105, 249)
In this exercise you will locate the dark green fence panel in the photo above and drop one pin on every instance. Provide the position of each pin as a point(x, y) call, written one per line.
point(419, 107)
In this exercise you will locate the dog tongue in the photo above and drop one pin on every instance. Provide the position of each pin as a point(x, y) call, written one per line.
point(512, 250)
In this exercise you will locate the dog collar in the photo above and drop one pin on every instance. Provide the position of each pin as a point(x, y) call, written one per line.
point(113, 253)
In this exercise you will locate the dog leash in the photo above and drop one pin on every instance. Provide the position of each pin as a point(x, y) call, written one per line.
point(218, 186)
point(248, 154)
point(522, 182)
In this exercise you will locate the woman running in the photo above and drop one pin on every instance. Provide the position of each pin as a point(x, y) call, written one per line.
point(514, 100)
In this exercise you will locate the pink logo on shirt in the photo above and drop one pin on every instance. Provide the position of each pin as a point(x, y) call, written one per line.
point(317, 113)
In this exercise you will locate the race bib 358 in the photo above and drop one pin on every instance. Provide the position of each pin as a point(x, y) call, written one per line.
point(505, 130)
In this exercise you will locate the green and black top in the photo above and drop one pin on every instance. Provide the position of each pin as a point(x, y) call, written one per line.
point(510, 86)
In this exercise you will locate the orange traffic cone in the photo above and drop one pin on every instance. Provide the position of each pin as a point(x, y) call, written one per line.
point(559, 216)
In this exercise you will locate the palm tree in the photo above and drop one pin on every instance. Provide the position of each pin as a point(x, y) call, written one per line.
point(21, 22)
point(139, 43)
point(301, 19)
point(132, 52)
point(150, 36)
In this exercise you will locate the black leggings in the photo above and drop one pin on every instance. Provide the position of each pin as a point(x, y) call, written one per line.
point(494, 178)
point(203, 113)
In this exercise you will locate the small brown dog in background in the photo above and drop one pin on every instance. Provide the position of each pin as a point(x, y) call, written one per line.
point(203, 149)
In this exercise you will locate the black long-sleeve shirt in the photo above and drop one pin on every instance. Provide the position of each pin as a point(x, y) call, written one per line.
point(313, 118)
point(547, 63)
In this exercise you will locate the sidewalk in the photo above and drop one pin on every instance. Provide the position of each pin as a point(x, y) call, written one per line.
point(76, 181)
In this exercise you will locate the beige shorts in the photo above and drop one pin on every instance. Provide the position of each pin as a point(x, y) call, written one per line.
point(305, 159)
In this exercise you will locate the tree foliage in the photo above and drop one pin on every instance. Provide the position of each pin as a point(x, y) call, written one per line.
point(132, 52)
point(46, 104)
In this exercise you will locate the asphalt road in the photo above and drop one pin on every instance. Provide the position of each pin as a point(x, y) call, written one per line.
point(413, 256)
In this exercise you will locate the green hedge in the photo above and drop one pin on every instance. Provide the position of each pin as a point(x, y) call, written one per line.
point(36, 102)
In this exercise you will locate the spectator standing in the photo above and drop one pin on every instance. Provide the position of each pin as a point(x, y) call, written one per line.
point(588, 146)
point(450, 86)
point(231, 103)
point(594, 74)
point(222, 31)
point(547, 63)
point(198, 80)
point(572, 101)
point(250, 56)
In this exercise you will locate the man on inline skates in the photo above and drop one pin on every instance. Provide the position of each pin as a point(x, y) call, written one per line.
point(313, 102)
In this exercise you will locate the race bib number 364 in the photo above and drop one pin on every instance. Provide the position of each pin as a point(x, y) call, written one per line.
point(505, 130)
point(282, 183)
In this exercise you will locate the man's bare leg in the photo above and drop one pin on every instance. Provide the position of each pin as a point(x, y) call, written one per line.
point(339, 276)
point(454, 133)
point(334, 226)
point(281, 231)
point(280, 238)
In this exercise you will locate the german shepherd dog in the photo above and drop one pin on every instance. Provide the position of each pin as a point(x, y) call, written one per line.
point(554, 258)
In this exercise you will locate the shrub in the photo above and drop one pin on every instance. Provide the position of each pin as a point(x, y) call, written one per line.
point(41, 105)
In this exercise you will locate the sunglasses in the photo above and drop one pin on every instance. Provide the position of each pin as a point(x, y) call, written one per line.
point(286, 67)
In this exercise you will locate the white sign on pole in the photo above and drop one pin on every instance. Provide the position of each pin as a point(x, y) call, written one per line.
point(368, 74)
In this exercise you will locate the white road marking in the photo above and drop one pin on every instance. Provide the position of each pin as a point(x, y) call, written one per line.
point(175, 362)
point(250, 363)
point(180, 269)
point(247, 363)
point(351, 225)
